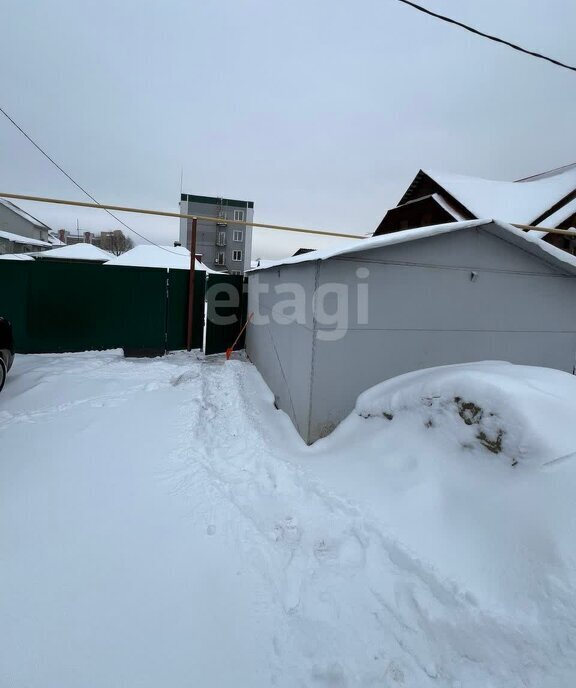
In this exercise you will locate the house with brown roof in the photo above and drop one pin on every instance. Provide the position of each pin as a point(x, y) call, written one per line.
point(547, 200)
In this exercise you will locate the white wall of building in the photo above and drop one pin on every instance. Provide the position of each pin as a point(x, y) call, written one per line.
point(423, 310)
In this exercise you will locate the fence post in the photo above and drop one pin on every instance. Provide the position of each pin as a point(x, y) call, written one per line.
point(191, 280)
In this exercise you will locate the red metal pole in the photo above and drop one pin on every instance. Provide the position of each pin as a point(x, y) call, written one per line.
point(191, 279)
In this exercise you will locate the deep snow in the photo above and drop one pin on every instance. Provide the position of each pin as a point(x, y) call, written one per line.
point(473, 467)
point(162, 524)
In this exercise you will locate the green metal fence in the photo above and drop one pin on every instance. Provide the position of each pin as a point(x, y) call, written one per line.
point(57, 307)
point(176, 325)
point(14, 297)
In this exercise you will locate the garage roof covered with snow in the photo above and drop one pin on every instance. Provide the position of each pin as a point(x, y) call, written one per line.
point(150, 256)
point(528, 241)
point(84, 252)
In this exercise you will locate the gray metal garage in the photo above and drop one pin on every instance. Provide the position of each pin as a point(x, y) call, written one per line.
point(328, 325)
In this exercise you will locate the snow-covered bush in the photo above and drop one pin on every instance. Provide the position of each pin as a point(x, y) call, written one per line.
point(522, 413)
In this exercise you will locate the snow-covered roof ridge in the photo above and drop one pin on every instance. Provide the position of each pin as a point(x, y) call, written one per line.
point(150, 256)
point(54, 240)
point(504, 229)
point(521, 202)
point(75, 252)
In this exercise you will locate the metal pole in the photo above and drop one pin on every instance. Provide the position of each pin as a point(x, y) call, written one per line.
point(164, 213)
point(207, 218)
point(191, 279)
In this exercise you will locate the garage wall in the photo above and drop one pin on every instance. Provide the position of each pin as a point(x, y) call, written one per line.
point(425, 310)
point(282, 349)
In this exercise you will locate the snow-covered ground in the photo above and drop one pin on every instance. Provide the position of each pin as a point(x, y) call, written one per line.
point(162, 524)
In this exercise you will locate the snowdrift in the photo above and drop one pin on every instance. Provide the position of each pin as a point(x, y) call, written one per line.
point(522, 413)
point(163, 524)
point(472, 468)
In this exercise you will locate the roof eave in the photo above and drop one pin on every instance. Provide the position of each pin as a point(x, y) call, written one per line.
point(504, 230)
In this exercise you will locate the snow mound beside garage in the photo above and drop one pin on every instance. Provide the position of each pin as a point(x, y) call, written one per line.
point(522, 414)
point(472, 468)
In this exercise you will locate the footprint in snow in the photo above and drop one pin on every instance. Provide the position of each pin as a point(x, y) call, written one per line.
point(288, 532)
point(347, 551)
point(107, 403)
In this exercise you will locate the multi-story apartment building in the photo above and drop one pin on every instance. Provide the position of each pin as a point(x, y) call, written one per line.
point(223, 245)
point(113, 241)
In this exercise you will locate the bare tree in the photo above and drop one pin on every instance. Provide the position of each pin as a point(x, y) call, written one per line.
point(116, 242)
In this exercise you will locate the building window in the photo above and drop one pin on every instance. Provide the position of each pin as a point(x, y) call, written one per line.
point(235, 272)
point(236, 255)
point(220, 258)
point(238, 235)
point(221, 241)
point(239, 215)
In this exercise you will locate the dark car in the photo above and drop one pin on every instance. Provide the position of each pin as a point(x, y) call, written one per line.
point(6, 349)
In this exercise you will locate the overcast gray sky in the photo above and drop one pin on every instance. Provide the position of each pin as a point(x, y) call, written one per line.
point(320, 112)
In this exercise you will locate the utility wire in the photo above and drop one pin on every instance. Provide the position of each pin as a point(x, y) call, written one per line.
point(45, 154)
point(471, 29)
point(414, 5)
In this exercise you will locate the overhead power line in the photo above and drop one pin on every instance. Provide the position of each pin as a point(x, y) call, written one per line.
point(490, 37)
point(166, 213)
point(76, 184)
point(208, 218)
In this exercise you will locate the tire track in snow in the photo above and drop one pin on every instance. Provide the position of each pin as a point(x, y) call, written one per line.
point(120, 370)
point(46, 413)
